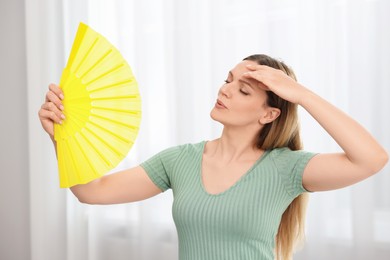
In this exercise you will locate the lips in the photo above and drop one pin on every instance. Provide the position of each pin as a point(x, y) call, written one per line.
point(220, 104)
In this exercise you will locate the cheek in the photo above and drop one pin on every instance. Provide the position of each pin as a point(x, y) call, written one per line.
point(247, 112)
point(250, 108)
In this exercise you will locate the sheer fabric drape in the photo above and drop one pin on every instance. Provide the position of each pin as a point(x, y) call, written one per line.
point(180, 52)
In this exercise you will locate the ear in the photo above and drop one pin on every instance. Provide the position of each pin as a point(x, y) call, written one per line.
point(270, 115)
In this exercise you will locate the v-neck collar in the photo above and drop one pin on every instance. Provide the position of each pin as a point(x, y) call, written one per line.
point(200, 177)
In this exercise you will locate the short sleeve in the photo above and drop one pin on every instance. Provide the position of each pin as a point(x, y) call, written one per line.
point(159, 167)
point(290, 165)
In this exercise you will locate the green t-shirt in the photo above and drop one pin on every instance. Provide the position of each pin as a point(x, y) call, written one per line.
point(239, 223)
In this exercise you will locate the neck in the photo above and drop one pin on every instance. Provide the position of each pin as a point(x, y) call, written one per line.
point(236, 145)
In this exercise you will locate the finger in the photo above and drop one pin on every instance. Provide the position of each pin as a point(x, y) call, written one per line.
point(45, 114)
point(53, 98)
point(253, 75)
point(57, 90)
point(49, 106)
point(253, 67)
point(258, 77)
point(262, 86)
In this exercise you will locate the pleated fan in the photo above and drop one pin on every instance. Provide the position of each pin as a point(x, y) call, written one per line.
point(102, 108)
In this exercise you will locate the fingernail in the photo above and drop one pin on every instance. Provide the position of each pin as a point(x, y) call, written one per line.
point(60, 122)
point(61, 107)
point(61, 96)
point(62, 116)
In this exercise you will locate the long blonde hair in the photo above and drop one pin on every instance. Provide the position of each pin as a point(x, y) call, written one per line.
point(284, 132)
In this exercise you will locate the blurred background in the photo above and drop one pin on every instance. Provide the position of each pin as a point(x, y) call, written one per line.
point(180, 53)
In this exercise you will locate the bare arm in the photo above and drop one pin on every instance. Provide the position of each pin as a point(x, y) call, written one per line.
point(126, 186)
point(362, 155)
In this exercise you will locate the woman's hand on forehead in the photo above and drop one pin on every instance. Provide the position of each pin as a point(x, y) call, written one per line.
point(277, 81)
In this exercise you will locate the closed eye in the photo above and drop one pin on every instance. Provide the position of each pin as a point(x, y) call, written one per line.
point(245, 83)
point(244, 93)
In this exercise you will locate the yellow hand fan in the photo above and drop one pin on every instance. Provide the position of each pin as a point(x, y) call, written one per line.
point(102, 107)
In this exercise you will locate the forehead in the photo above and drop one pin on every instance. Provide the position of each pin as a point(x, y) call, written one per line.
point(241, 67)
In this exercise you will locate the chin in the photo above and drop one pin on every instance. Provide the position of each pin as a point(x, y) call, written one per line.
point(214, 115)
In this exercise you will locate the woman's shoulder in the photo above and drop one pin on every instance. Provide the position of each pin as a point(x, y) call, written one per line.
point(286, 154)
point(187, 147)
point(285, 151)
point(280, 151)
point(284, 158)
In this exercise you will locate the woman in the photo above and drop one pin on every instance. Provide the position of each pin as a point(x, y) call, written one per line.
point(242, 196)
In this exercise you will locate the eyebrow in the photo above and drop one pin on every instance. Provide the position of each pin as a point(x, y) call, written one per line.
point(241, 80)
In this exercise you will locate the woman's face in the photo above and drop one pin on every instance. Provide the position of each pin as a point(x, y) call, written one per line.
point(240, 101)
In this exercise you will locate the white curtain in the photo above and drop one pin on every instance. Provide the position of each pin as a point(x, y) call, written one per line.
point(180, 52)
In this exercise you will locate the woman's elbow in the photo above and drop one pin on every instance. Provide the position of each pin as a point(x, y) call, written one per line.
point(384, 159)
point(82, 199)
point(84, 193)
point(85, 200)
point(379, 161)
point(89, 200)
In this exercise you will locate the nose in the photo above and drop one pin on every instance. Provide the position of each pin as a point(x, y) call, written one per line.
point(225, 90)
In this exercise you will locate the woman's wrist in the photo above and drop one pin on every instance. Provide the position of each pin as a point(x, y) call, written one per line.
point(304, 96)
